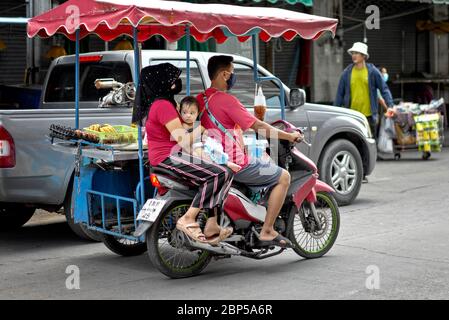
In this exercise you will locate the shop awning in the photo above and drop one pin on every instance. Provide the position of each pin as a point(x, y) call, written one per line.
point(308, 3)
point(112, 18)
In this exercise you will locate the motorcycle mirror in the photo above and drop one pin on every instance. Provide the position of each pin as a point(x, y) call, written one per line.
point(297, 98)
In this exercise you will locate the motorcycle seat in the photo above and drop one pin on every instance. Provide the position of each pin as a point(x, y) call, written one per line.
point(172, 175)
point(159, 170)
point(239, 186)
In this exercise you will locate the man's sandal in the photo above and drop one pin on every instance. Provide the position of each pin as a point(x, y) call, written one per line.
point(193, 231)
point(279, 241)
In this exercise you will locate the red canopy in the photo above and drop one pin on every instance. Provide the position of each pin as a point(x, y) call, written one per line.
point(112, 18)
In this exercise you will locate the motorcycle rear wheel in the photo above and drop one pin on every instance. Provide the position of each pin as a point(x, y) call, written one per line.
point(165, 250)
point(311, 245)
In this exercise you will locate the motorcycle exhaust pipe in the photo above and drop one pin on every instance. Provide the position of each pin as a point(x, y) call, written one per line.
point(221, 248)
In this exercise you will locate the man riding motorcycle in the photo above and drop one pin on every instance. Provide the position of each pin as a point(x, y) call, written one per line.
point(223, 114)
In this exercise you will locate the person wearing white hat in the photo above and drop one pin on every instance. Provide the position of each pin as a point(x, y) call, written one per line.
point(359, 47)
point(359, 85)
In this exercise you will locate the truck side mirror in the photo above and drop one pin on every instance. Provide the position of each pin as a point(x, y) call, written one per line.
point(297, 98)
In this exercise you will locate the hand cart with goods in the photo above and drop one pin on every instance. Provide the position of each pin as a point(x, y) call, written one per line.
point(112, 183)
point(413, 126)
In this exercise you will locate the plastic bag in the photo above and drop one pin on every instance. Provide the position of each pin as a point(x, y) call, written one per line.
point(384, 143)
point(389, 128)
point(260, 104)
point(214, 150)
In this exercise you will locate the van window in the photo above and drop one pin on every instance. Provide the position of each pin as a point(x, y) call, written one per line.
point(196, 79)
point(244, 88)
point(61, 84)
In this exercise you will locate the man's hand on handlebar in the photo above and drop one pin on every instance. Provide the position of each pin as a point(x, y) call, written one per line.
point(296, 136)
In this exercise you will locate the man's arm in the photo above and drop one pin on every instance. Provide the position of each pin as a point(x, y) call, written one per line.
point(240, 115)
point(382, 103)
point(269, 131)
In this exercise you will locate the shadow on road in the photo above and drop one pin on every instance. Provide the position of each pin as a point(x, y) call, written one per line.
point(216, 270)
point(59, 236)
point(49, 236)
point(362, 201)
point(409, 159)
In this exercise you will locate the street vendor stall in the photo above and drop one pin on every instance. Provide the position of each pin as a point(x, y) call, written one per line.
point(440, 82)
point(111, 183)
point(413, 126)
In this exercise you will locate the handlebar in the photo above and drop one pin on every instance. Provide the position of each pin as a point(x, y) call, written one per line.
point(289, 128)
point(293, 129)
point(306, 143)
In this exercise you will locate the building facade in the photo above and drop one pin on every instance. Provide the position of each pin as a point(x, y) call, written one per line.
point(396, 44)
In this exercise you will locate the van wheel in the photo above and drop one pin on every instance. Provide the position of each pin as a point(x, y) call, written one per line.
point(13, 216)
point(341, 167)
point(81, 231)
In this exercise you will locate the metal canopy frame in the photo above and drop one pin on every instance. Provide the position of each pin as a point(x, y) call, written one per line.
point(8, 20)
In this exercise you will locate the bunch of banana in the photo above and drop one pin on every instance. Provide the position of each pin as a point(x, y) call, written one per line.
point(108, 129)
point(95, 127)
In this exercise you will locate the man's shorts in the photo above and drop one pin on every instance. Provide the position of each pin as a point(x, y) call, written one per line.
point(259, 174)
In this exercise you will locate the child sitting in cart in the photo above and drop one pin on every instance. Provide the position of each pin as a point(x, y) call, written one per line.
point(209, 149)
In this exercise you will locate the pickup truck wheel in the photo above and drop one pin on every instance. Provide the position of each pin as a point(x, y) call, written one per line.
point(81, 231)
point(13, 216)
point(341, 167)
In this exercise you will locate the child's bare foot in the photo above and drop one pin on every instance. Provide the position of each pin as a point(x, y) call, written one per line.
point(234, 167)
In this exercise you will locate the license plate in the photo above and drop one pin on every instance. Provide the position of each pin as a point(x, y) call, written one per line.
point(151, 210)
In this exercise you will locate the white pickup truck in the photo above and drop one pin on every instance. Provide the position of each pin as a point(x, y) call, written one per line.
point(34, 175)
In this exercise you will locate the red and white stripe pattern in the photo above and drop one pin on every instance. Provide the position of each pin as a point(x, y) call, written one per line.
point(213, 180)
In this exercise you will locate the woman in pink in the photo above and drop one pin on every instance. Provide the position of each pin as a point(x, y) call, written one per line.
point(169, 144)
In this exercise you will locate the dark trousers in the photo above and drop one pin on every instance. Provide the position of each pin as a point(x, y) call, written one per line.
point(213, 180)
point(374, 125)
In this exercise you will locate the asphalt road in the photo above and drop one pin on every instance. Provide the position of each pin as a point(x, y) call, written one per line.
point(393, 244)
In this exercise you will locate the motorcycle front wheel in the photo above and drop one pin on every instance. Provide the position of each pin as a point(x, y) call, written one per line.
point(166, 249)
point(314, 244)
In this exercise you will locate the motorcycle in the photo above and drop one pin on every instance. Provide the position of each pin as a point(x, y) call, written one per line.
point(309, 217)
